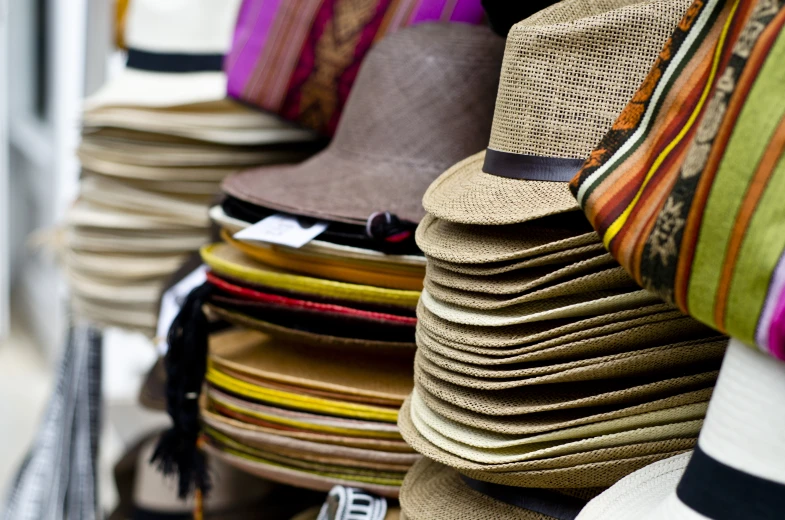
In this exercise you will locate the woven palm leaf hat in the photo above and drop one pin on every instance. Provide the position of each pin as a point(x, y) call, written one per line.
point(539, 364)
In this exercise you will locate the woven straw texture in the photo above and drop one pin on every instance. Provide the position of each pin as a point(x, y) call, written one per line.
point(432, 491)
point(488, 340)
point(468, 244)
point(661, 360)
point(575, 254)
point(520, 280)
point(613, 279)
point(530, 424)
point(598, 468)
point(629, 338)
point(566, 76)
point(588, 304)
point(438, 83)
point(564, 396)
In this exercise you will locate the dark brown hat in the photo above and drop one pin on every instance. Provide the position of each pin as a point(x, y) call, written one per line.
point(422, 101)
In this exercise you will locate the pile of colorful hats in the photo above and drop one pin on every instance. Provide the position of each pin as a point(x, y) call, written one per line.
point(157, 141)
point(306, 388)
point(540, 362)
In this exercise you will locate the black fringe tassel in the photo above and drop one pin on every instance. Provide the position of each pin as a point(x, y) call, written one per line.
point(186, 364)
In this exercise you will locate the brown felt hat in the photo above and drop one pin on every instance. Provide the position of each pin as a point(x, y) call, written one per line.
point(423, 100)
point(432, 491)
point(568, 72)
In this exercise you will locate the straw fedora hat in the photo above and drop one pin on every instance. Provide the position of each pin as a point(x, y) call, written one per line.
point(432, 491)
point(433, 87)
point(584, 469)
point(568, 72)
point(736, 470)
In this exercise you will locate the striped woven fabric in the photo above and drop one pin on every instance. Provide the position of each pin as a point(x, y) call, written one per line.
point(687, 188)
point(299, 58)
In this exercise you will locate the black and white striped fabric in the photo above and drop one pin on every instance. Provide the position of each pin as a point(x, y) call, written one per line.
point(57, 480)
point(345, 503)
point(737, 471)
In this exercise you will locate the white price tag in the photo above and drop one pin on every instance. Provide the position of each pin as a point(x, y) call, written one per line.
point(282, 229)
point(172, 301)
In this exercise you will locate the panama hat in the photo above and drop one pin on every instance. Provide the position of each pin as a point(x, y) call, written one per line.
point(519, 281)
point(571, 396)
point(259, 356)
point(432, 491)
point(614, 278)
point(661, 359)
point(568, 72)
point(438, 83)
point(554, 420)
point(488, 341)
point(735, 471)
point(572, 306)
point(473, 244)
point(175, 58)
point(632, 337)
point(586, 469)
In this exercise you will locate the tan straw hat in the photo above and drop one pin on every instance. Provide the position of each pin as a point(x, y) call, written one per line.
point(568, 72)
point(432, 491)
point(593, 468)
point(565, 396)
point(549, 421)
point(423, 100)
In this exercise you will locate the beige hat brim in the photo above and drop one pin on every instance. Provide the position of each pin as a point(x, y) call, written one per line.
point(574, 306)
point(428, 426)
point(571, 255)
point(518, 281)
point(488, 341)
point(633, 337)
point(542, 422)
point(548, 398)
point(467, 244)
point(432, 491)
point(657, 360)
point(467, 195)
point(591, 469)
point(612, 279)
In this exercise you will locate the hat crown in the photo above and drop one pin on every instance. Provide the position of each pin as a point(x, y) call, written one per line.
point(423, 96)
point(181, 26)
point(570, 69)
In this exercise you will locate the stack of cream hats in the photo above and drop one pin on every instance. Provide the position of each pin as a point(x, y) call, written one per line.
point(157, 142)
point(540, 363)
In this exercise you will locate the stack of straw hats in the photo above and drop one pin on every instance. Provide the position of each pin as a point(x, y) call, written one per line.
point(306, 388)
point(540, 363)
point(157, 142)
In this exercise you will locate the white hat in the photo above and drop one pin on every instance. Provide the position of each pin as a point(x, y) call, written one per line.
point(738, 467)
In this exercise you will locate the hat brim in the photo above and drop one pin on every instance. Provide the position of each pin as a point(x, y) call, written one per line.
point(342, 189)
point(432, 491)
point(470, 244)
point(260, 357)
point(295, 477)
point(465, 194)
point(591, 469)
